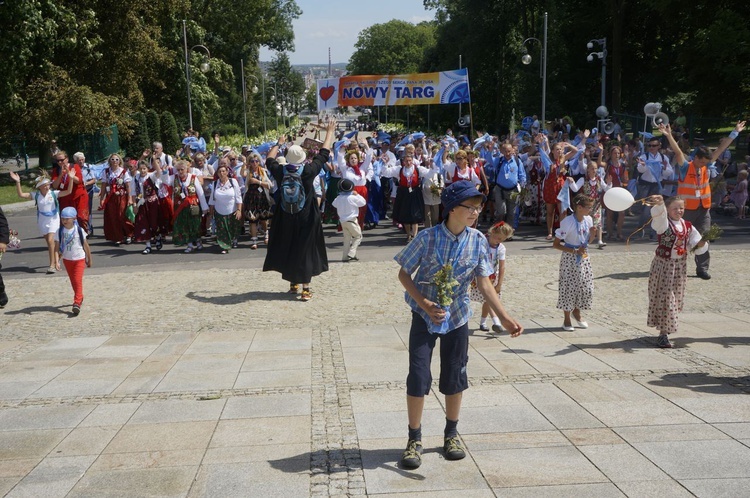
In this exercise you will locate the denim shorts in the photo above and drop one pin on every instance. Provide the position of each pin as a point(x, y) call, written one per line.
point(454, 355)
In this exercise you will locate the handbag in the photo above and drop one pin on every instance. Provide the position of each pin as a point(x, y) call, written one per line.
point(195, 210)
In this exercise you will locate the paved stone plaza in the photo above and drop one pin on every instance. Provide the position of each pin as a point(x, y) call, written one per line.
point(211, 381)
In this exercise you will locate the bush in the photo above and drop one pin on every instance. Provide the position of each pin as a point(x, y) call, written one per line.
point(170, 136)
point(154, 128)
point(139, 141)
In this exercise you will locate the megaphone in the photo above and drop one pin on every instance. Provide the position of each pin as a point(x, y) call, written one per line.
point(609, 127)
point(651, 108)
point(464, 121)
point(660, 118)
point(602, 112)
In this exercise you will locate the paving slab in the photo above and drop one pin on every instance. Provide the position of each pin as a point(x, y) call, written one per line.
point(53, 477)
point(304, 403)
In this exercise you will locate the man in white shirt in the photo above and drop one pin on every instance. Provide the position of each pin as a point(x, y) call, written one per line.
point(653, 167)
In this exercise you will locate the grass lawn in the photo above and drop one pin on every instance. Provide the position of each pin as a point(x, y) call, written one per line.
point(8, 195)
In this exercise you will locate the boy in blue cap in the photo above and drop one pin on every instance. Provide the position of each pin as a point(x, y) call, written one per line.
point(72, 247)
point(463, 251)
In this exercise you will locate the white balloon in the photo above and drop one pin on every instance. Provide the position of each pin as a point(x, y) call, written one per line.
point(618, 199)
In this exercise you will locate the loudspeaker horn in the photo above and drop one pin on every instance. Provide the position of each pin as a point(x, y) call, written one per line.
point(651, 108)
point(660, 118)
point(609, 127)
point(464, 121)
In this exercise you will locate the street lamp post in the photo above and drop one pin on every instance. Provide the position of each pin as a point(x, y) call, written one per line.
point(204, 68)
point(603, 57)
point(526, 59)
point(275, 108)
point(254, 89)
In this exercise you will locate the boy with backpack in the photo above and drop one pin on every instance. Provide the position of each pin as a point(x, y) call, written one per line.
point(71, 245)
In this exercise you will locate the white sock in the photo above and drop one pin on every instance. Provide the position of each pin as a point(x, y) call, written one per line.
point(483, 322)
point(496, 320)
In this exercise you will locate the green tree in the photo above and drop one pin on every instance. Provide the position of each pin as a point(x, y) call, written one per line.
point(170, 136)
point(311, 98)
point(288, 83)
point(395, 47)
point(140, 139)
point(153, 125)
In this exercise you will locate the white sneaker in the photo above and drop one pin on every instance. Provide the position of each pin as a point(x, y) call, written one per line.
point(582, 324)
point(51, 270)
point(568, 328)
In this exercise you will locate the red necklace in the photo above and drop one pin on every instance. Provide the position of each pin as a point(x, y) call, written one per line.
point(680, 243)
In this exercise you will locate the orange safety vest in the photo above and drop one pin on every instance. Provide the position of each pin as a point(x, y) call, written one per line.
point(695, 189)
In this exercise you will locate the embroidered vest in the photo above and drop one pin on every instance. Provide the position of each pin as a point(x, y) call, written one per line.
point(667, 239)
point(413, 181)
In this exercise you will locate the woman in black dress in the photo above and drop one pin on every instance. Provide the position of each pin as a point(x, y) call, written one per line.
point(296, 247)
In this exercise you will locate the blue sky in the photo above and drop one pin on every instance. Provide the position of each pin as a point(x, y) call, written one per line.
point(337, 24)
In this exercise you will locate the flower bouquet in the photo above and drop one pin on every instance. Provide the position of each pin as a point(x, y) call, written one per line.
point(522, 195)
point(445, 284)
point(13, 243)
point(712, 234)
point(436, 189)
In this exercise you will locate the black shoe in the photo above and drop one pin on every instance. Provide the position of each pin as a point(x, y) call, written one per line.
point(663, 342)
point(412, 456)
point(352, 258)
point(3, 299)
point(76, 310)
point(453, 449)
point(704, 275)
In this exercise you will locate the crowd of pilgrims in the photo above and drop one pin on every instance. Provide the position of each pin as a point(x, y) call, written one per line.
point(211, 191)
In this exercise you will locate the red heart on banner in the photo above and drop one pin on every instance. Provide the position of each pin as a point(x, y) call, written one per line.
point(326, 92)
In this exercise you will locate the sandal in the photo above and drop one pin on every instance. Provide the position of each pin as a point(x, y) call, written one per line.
point(198, 246)
point(549, 237)
point(189, 249)
point(146, 251)
point(293, 288)
point(306, 295)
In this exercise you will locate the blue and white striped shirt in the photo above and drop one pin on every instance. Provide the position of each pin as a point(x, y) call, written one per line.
point(427, 253)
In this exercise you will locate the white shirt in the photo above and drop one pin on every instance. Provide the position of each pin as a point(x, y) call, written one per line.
point(347, 205)
point(646, 174)
point(570, 230)
point(73, 246)
point(138, 179)
point(365, 170)
point(225, 198)
point(433, 178)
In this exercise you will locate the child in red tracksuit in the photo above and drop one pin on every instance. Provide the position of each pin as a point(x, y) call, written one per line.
point(72, 247)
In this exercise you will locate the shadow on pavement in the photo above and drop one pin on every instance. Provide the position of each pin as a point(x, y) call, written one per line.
point(624, 276)
point(349, 460)
point(703, 383)
point(230, 299)
point(39, 309)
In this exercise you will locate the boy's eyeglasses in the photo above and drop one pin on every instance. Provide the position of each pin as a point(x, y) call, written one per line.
point(473, 209)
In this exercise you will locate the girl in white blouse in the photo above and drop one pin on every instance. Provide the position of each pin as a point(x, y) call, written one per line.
point(576, 287)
